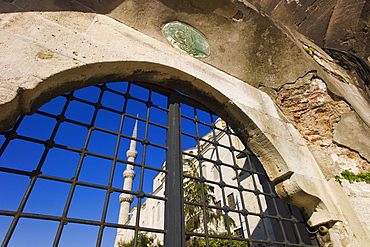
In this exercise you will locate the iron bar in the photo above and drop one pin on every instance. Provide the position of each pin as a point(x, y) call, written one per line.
point(210, 151)
point(174, 211)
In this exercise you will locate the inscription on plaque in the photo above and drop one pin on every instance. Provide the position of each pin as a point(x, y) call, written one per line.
point(186, 39)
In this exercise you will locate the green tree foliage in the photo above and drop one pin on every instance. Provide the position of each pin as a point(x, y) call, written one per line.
point(142, 241)
point(215, 242)
point(352, 177)
point(194, 215)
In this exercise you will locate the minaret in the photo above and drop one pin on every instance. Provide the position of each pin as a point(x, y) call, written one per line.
point(128, 175)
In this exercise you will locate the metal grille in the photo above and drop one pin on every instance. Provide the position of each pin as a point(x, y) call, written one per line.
point(61, 176)
point(228, 191)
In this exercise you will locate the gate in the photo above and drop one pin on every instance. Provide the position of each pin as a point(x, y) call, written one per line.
point(124, 164)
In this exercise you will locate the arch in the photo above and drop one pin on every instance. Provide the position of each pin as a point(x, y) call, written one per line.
point(250, 112)
point(64, 38)
point(210, 139)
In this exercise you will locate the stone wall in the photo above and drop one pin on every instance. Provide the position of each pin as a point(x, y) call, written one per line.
point(312, 124)
point(334, 132)
point(341, 24)
point(337, 136)
point(329, 124)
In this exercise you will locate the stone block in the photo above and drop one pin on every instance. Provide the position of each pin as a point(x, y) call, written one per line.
point(7, 7)
point(47, 5)
point(348, 12)
point(101, 6)
point(309, 193)
point(323, 157)
point(285, 138)
point(58, 39)
point(353, 133)
point(359, 197)
point(76, 21)
point(35, 61)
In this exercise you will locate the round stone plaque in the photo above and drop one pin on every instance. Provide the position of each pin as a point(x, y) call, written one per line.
point(186, 39)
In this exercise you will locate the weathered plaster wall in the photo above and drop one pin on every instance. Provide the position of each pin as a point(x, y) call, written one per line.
point(326, 123)
point(359, 197)
point(341, 24)
point(302, 144)
point(336, 135)
point(239, 46)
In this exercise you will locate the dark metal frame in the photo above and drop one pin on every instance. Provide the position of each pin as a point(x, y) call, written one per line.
point(290, 227)
point(174, 230)
point(174, 213)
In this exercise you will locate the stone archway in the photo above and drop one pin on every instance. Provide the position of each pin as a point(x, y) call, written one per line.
point(250, 112)
point(53, 57)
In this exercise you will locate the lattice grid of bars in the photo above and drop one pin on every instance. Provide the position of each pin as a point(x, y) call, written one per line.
point(61, 170)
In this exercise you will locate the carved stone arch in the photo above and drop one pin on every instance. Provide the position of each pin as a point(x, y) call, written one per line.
point(74, 44)
point(250, 112)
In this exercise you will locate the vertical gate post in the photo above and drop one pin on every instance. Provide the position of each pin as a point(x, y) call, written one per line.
point(174, 210)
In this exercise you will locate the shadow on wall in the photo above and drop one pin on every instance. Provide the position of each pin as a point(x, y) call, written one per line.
point(93, 6)
point(107, 6)
point(191, 6)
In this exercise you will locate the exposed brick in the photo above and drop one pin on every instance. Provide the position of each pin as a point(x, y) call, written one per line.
point(310, 108)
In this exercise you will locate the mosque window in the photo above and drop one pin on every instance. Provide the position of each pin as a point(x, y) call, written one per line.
point(231, 201)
